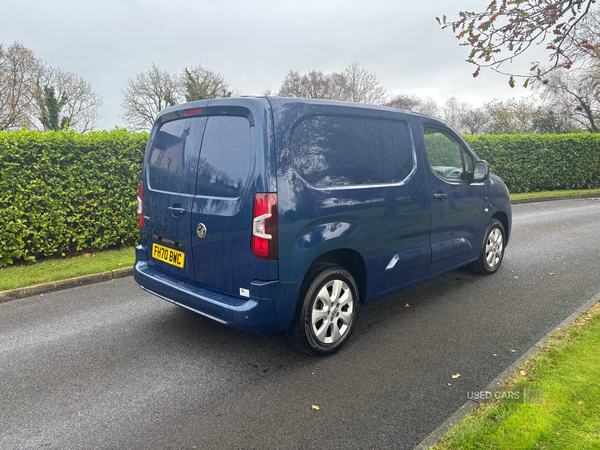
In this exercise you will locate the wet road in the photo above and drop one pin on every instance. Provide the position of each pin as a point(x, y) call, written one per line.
point(109, 366)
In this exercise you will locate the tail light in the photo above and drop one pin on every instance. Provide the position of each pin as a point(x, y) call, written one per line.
point(264, 226)
point(140, 209)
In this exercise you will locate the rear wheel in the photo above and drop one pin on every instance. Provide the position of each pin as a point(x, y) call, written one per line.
point(326, 311)
point(492, 251)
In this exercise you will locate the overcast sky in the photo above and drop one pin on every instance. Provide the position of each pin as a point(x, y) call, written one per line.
point(253, 43)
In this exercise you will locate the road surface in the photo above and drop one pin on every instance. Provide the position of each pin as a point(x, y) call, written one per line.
point(109, 366)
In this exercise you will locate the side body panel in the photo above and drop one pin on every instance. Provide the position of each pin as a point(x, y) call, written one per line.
point(386, 225)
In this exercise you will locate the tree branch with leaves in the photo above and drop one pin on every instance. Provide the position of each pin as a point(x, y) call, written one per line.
point(509, 28)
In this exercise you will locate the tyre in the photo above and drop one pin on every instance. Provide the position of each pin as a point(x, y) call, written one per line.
point(326, 311)
point(492, 250)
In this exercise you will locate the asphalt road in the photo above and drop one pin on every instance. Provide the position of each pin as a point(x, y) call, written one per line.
point(109, 366)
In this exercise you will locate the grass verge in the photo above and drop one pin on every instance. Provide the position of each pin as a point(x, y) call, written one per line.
point(45, 271)
point(568, 371)
point(591, 192)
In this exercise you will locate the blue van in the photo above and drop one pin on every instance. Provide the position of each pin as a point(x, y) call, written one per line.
point(275, 214)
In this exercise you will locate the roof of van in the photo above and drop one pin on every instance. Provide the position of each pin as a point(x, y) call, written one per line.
point(279, 101)
point(319, 101)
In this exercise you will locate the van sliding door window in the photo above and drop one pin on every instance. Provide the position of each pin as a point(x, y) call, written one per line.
point(173, 160)
point(338, 151)
point(225, 157)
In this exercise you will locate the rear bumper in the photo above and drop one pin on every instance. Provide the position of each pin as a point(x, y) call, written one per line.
point(253, 314)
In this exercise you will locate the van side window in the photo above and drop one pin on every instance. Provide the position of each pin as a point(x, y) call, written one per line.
point(335, 151)
point(173, 160)
point(225, 157)
point(447, 157)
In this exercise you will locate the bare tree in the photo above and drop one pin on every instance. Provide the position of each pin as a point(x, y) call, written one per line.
point(27, 84)
point(464, 118)
point(575, 95)
point(78, 104)
point(474, 121)
point(414, 103)
point(409, 102)
point(354, 84)
point(147, 95)
point(583, 44)
point(81, 108)
point(451, 112)
point(313, 84)
point(200, 83)
point(292, 86)
point(513, 116)
point(554, 121)
point(20, 72)
point(509, 28)
point(361, 85)
point(428, 106)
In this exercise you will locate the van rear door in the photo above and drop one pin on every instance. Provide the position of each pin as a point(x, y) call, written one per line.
point(168, 192)
point(236, 161)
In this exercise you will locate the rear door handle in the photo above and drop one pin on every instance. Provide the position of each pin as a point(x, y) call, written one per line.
point(440, 196)
point(176, 211)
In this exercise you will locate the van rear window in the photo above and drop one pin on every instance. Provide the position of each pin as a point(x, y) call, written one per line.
point(173, 159)
point(225, 157)
point(336, 151)
point(220, 169)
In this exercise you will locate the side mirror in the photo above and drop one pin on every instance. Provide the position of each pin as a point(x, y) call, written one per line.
point(481, 171)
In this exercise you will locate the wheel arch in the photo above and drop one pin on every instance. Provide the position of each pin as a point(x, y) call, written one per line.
point(350, 260)
point(503, 218)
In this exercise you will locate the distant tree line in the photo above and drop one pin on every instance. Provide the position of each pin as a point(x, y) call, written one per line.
point(563, 104)
point(353, 83)
point(498, 116)
point(36, 96)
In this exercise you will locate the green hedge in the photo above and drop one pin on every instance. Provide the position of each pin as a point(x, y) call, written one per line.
point(63, 191)
point(534, 162)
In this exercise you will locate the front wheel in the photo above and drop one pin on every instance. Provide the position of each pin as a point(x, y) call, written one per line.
point(492, 251)
point(326, 311)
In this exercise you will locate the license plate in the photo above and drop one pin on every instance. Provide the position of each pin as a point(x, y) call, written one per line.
point(168, 255)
